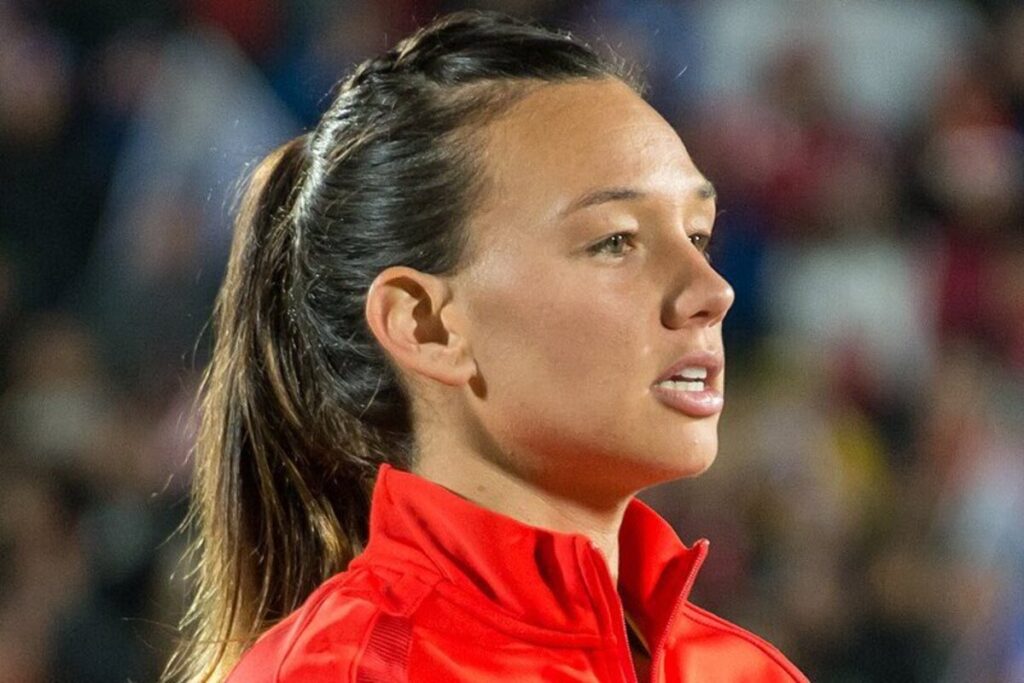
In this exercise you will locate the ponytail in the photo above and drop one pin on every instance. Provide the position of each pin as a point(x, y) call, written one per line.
point(275, 513)
point(300, 405)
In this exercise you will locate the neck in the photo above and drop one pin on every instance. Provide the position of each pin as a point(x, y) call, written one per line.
point(496, 488)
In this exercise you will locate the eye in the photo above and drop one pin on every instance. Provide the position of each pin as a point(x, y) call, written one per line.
point(702, 241)
point(614, 245)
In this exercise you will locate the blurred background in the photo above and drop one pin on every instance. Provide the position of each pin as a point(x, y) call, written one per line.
point(865, 511)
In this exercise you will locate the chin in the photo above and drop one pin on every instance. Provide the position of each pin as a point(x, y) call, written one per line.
point(702, 464)
point(693, 459)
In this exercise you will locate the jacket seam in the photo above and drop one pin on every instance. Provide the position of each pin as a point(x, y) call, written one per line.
point(299, 627)
point(501, 620)
point(706, 618)
point(425, 590)
point(494, 616)
point(588, 574)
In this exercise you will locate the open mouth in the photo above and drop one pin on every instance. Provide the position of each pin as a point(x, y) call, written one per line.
point(689, 385)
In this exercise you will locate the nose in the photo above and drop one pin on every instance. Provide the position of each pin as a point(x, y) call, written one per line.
point(699, 295)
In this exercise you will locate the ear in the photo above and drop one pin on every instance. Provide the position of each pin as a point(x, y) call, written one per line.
point(410, 314)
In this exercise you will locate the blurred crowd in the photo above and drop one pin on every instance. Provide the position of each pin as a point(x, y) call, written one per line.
point(866, 511)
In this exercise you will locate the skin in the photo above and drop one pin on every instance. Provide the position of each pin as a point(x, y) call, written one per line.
point(530, 369)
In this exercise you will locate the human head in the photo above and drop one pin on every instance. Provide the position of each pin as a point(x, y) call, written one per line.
point(300, 403)
point(539, 357)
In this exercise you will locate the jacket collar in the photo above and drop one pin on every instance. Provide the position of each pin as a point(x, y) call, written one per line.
point(544, 579)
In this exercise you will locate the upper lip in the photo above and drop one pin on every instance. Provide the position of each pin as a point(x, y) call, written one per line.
point(713, 361)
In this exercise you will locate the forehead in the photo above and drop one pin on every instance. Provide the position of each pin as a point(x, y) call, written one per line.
point(563, 140)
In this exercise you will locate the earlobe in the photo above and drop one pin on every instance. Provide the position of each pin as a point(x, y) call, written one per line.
point(409, 314)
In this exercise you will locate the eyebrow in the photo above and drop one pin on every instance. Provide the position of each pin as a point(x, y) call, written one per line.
point(705, 191)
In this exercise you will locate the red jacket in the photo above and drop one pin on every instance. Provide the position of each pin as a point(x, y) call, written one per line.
point(447, 590)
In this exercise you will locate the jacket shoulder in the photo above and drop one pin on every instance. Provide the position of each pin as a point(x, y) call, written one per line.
point(353, 621)
point(738, 652)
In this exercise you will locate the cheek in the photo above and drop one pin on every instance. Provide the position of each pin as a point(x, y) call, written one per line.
point(564, 351)
point(561, 331)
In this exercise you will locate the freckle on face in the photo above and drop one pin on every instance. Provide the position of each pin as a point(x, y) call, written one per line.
point(570, 345)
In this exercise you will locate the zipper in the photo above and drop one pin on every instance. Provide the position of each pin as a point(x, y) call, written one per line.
point(659, 650)
point(625, 656)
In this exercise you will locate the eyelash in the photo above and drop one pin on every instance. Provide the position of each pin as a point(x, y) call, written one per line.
point(707, 241)
point(601, 247)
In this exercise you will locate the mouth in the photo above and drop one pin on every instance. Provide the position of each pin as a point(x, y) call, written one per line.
point(689, 385)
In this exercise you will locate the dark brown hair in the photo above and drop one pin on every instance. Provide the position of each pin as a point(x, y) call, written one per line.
point(300, 404)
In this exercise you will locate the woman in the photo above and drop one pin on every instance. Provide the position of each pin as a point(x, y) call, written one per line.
point(464, 321)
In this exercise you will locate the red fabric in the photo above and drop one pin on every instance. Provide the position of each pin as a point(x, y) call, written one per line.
point(447, 590)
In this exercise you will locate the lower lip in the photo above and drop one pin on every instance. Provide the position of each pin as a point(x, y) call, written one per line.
point(693, 403)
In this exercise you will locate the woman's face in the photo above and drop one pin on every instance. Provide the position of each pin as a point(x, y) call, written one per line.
point(587, 284)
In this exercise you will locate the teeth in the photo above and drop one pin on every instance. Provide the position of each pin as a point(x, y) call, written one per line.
point(682, 386)
point(695, 372)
